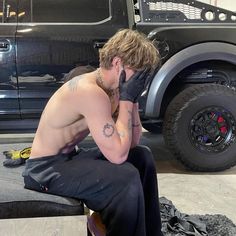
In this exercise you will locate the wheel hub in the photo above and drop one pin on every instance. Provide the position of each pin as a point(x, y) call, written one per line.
point(212, 129)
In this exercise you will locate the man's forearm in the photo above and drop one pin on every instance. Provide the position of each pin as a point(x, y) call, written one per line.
point(124, 126)
point(136, 126)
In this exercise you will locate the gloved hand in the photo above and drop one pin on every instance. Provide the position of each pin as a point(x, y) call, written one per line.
point(131, 90)
point(14, 162)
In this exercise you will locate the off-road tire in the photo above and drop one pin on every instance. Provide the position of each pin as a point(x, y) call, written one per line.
point(178, 122)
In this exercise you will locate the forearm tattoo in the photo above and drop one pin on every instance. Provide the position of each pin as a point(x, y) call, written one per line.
point(121, 134)
point(73, 83)
point(108, 130)
point(130, 120)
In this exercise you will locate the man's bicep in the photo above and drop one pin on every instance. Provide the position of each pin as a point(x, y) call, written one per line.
point(102, 127)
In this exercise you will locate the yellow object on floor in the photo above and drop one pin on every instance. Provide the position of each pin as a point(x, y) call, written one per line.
point(15, 154)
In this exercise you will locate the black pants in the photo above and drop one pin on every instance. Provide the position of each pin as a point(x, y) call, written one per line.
point(125, 195)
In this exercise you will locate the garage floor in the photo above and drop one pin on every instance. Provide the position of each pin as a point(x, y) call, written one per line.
point(193, 192)
point(190, 192)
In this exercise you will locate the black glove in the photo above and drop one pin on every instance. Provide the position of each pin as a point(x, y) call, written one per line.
point(131, 90)
point(14, 163)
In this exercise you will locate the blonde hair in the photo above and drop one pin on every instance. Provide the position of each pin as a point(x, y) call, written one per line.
point(134, 49)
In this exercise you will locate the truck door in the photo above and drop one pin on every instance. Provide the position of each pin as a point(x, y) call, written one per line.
point(54, 37)
point(9, 106)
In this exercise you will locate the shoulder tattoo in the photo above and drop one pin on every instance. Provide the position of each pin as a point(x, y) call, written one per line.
point(73, 83)
point(108, 130)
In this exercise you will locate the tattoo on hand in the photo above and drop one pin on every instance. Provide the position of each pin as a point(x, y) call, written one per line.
point(108, 130)
point(136, 125)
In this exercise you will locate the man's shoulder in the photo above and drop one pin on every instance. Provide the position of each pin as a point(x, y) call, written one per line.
point(81, 82)
point(85, 91)
point(74, 83)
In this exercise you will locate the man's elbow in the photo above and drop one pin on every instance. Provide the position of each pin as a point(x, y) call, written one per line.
point(119, 158)
point(117, 154)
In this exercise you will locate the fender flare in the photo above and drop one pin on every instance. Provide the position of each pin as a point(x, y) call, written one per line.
point(182, 59)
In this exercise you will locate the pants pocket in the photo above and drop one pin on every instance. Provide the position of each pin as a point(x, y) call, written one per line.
point(31, 183)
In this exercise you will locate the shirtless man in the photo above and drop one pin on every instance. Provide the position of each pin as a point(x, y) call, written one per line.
point(118, 178)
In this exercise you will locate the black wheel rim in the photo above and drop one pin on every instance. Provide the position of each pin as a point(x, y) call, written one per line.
point(212, 129)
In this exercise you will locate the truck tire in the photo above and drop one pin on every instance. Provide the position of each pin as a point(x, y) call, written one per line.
point(200, 127)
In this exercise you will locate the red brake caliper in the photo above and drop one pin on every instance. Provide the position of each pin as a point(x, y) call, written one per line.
point(223, 129)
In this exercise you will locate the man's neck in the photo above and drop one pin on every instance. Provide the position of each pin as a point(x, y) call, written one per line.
point(103, 83)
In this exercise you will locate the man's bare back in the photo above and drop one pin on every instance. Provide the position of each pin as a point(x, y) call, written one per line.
point(61, 126)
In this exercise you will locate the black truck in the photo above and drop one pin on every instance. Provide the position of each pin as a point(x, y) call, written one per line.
point(192, 96)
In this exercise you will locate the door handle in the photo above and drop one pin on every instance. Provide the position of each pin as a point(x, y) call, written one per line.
point(4, 46)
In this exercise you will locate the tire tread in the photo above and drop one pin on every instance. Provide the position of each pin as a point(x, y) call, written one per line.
point(174, 112)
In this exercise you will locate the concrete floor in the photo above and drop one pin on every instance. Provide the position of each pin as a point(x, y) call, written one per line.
point(190, 192)
point(193, 192)
point(46, 226)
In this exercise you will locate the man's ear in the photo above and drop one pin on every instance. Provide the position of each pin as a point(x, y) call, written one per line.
point(116, 63)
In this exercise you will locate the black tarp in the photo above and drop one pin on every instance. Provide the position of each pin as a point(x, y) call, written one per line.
point(175, 223)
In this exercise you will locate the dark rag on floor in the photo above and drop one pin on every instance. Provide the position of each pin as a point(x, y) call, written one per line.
point(179, 223)
point(175, 223)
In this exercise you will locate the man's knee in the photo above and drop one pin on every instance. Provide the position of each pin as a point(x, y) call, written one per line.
point(145, 150)
point(128, 173)
point(144, 154)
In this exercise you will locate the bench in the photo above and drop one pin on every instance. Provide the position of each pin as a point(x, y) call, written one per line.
point(18, 202)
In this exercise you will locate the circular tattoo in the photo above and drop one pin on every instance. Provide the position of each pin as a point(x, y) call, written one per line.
point(108, 130)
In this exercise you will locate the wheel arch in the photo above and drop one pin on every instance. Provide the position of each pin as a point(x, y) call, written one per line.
point(169, 70)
